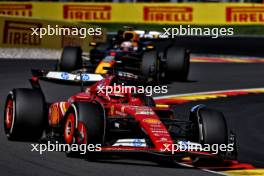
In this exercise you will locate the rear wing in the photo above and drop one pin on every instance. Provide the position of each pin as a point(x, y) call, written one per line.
point(72, 78)
point(150, 34)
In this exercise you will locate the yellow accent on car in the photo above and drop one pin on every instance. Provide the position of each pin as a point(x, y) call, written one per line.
point(162, 106)
point(100, 68)
point(150, 46)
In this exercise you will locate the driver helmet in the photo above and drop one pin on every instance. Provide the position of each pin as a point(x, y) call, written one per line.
point(126, 46)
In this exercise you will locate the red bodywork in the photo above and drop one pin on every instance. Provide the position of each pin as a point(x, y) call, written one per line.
point(126, 105)
point(149, 122)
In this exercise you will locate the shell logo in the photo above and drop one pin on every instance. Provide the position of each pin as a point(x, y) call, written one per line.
point(152, 121)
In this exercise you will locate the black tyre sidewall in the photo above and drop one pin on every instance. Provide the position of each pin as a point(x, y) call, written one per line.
point(71, 59)
point(214, 126)
point(149, 65)
point(92, 116)
point(30, 115)
point(178, 63)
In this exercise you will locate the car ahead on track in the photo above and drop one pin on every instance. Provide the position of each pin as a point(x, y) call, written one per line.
point(127, 122)
point(132, 52)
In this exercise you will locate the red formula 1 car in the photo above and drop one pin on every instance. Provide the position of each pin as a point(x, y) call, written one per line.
point(122, 123)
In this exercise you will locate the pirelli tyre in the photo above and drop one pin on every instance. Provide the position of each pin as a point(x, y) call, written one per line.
point(71, 59)
point(209, 126)
point(150, 65)
point(178, 63)
point(84, 123)
point(209, 129)
point(25, 115)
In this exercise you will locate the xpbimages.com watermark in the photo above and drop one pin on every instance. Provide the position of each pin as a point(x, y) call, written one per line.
point(197, 31)
point(117, 88)
point(187, 146)
point(58, 147)
point(61, 31)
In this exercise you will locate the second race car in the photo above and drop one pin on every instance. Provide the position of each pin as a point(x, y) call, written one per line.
point(135, 52)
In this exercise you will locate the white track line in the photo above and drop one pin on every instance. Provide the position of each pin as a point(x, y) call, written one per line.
point(207, 92)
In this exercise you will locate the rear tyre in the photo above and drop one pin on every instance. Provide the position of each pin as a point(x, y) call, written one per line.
point(84, 124)
point(71, 59)
point(25, 115)
point(178, 63)
point(150, 65)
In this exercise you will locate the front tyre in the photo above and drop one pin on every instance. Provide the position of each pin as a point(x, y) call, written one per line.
point(84, 124)
point(209, 126)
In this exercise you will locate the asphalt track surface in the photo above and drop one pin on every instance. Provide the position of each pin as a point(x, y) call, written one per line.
point(244, 116)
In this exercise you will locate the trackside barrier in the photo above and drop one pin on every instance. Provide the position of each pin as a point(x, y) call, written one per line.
point(16, 32)
point(150, 13)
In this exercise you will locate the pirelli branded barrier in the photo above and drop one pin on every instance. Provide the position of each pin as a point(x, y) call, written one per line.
point(158, 13)
point(17, 32)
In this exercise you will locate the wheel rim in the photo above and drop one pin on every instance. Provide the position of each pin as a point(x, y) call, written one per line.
point(69, 129)
point(9, 114)
point(82, 137)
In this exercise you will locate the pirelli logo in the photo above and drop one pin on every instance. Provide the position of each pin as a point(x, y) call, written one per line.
point(19, 33)
point(245, 14)
point(174, 14)
point(16, 9)
point(87, 12)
